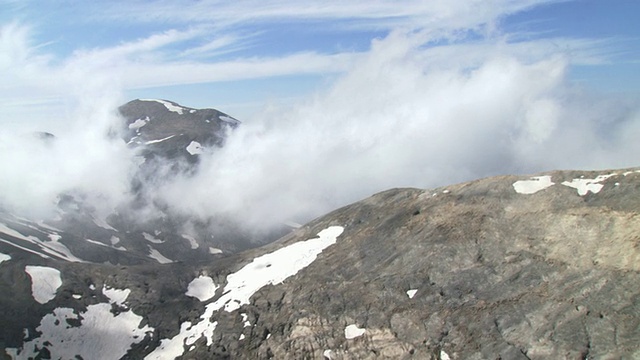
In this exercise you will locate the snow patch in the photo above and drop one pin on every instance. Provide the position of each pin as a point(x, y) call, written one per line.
point(77, 296)
point(585, 185)
point(195, 148)
point(116, 296)
point(353, 331)
point(138, 123)
point(151, 238)
point(96, 242)
point(168, 105)
point(52, 247)
point(159, 140)
point(272, 268)
point(156, 255)
point(214, 251)
point(411, 293)
point(533, 185)
point(328, 354)
point(241, 337)
point(103, 224)
point(45, 282)
point(192, 241)
point(4, 257)
point(245, 319)
point(203, 288)
point(100, 332)
point(444, 355)
point(54, 237)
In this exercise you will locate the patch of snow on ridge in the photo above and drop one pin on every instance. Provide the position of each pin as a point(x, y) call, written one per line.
point(203, 288)
point(51, 247)
point(214, 251)
point(100, 332)
point(585, 185)
point(195, 148)
point(138, 123)
point(151, 238)
point(533, 185)
point(272, 268)
point(353, 331)
point(4, 257)
point(411, 293)
point(45, 282)
point(102, 223)
point(168, 105)
point(156, 255)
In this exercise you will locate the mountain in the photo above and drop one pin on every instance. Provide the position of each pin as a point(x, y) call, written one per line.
point(168, 140)
point(511, 267)
point(165, 129)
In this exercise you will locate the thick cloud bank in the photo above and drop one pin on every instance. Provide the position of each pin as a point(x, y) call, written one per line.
point(406, 114)
point(402, 119)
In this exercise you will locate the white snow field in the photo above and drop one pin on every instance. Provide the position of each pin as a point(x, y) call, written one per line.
point(533, 185)
point(101, 334)
point(45, 282)
point(202, 288)
point(353, 331)
point(272, 268)
point(194, 148)
point(585, 185)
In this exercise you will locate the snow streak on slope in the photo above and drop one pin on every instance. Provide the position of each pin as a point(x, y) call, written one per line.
point(272, 268)
point(52, 247)
point(4, 257)
point(101, 334)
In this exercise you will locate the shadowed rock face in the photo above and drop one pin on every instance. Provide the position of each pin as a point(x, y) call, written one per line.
point(507, 267)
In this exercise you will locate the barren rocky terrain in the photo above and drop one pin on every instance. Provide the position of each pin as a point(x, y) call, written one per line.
point(511, 267)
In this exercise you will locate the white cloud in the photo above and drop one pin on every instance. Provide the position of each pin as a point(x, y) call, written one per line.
point(393, 121)
point(447, 99)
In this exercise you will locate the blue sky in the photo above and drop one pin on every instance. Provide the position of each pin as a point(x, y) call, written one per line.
point(220, 45)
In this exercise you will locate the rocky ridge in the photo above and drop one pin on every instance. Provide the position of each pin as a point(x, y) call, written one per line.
point(513, 267)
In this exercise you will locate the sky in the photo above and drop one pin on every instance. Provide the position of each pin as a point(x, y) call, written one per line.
point(338, 99)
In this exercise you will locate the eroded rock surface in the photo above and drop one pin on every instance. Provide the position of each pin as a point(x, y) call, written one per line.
point(545, 274)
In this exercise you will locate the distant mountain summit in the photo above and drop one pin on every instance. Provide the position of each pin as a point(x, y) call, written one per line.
point(168, 130)
point(168, 138)
point(510, 267)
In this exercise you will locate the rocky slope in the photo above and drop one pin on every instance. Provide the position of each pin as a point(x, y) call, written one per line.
point(513, 267)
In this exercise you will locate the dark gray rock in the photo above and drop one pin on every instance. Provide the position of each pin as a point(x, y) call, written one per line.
point(498, 275)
